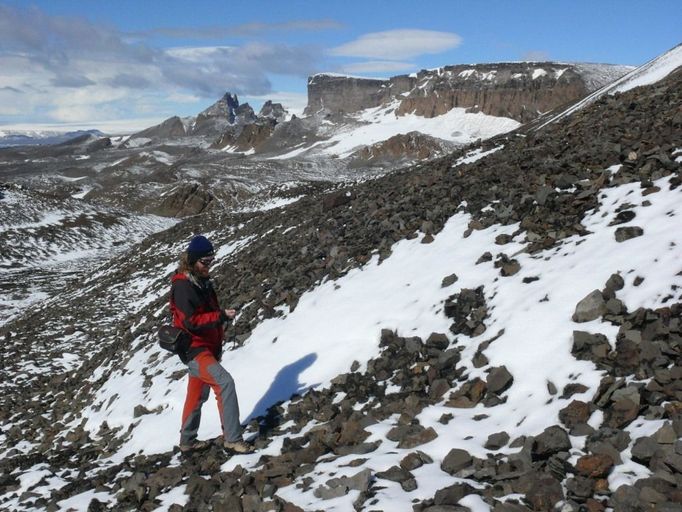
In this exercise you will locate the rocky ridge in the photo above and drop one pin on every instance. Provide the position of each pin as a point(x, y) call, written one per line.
point(545, 182)
point(223, 123)
point(519, 91)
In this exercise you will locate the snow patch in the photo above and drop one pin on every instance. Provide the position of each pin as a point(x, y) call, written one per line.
point(475, 155)
point(538, 72)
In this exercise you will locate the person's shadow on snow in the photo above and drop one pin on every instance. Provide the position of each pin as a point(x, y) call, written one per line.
point(285, 385)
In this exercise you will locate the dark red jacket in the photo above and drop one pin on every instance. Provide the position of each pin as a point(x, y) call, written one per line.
point(195, 309)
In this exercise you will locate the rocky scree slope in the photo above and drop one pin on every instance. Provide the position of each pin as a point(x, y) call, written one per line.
point(545, 184)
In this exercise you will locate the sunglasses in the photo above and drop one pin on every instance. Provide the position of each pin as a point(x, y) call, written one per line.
point(206, 262)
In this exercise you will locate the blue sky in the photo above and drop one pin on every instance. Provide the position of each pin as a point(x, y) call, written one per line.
point(130, 63)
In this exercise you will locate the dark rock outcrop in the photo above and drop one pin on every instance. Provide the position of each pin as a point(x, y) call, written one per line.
point(185, 200)
point(171, 128)
point(404, 146)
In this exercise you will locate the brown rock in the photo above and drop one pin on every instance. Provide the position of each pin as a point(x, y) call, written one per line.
point(499, 379)
point(460, 402)
point(336, 199)
point(418, 439)
point(456, 460)
point(438, 388)
point(601, 486)
point(593, 505)
point(552, 440)
point(186, 199)
point(544, 493)
point(575, 413)
point(449, 280)
point(594, 466)
point(626, 233)
point(411, 145)
point(622, 413)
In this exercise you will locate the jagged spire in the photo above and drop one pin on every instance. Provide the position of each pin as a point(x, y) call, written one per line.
point(224, 107)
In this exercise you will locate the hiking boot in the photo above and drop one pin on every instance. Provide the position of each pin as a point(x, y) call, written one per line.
point(194, 446)
point(238, 446)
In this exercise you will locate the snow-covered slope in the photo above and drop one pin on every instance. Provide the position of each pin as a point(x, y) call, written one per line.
point(649, 73)
point(378, 124)
point(338, 324)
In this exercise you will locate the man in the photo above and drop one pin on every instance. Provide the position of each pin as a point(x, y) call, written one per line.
point(195, 309)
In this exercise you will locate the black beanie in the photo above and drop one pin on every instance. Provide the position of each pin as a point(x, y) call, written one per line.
point(199, 247)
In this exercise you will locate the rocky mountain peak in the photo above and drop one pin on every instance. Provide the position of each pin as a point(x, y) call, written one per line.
point(224, 107)
point(273, 111)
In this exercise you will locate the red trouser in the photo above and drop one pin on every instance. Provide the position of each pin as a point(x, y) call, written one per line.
point(205, 373)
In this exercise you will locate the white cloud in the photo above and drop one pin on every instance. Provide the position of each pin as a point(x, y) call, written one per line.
point(377, 66)
point(197, 53)
point(72, 70)
point(179, 97)
point(398, 44)
point(75, 113)
point(245, 29)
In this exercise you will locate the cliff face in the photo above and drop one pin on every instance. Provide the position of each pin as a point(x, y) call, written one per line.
point(516, 90)
point(519, 91)
point(342, 94)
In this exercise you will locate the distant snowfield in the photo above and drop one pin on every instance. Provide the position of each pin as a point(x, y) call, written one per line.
point(45, 242)
point(340, 321)
point(381, 123)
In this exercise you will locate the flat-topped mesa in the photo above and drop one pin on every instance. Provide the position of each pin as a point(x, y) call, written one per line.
point(518, 90)
point(345, 94)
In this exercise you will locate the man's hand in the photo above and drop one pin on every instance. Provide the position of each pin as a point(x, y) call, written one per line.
point(230, 313)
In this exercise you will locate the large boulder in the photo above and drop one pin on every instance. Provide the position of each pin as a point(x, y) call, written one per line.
point(553, 440)
point(590, 308)
point(456, 460)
